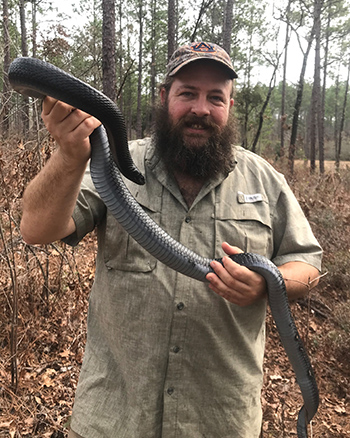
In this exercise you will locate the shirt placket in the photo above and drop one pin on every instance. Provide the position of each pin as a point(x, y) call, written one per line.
point(173, 384)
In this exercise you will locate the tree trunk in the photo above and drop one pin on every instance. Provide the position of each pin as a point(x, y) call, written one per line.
point(24, 45)
point(95, 45)
point(227, 28)
point(108, 49)
point(323, 98)
point(129, 95)
point(24, 50)
point(297, 105)
point(284, 79)
point(316, 89)
point(171, 27)
point(336, 118)
point(6, 93)
point(153, 60)
point(247, 86)
point(119, 96)
point(34, 28)
point(261, 114)
point(139, 84)
point(342, 119)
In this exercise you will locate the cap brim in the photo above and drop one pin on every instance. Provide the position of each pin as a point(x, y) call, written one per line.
point(232, 73)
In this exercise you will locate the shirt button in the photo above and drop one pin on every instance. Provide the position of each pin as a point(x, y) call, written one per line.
point(170, 391)
point(180, 306)
point(188, 219)
point(176, 349)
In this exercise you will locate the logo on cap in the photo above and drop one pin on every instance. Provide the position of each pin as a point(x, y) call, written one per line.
point(203, 47)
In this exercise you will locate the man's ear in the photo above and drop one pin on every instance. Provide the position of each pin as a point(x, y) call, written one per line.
point(163, 95)
point(231, 103)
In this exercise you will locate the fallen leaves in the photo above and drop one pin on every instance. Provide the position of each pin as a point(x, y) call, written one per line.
point(54, 284)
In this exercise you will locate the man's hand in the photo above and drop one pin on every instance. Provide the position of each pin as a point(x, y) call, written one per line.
point(234, 282)
point(243, 287)
point(71, 128)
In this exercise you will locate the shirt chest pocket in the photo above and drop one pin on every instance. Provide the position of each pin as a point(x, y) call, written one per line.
point(122, 252)
point(245, 225)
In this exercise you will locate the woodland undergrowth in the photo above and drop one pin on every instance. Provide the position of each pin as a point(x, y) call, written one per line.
point(44, 297)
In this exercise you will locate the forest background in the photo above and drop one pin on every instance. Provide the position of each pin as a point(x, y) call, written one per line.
point(291, 106)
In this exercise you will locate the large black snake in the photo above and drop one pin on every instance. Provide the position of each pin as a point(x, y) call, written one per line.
point(110, 152)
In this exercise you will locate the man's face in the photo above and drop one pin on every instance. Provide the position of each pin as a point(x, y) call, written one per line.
point(199, 101)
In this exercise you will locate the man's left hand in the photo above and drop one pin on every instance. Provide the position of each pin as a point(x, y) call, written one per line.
point(234, 282)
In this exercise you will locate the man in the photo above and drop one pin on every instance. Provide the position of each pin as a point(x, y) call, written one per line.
point(168, 356)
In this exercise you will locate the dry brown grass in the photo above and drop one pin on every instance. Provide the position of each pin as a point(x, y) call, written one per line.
point(43, 305)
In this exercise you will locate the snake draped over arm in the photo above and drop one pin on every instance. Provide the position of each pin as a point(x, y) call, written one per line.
point(110, 156)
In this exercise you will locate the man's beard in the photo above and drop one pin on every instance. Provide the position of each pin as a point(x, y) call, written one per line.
point(189, 157)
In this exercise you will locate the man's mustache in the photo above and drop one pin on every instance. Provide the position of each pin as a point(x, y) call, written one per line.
point(193, 120)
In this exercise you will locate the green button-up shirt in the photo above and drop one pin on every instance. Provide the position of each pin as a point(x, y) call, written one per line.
point(165, 356)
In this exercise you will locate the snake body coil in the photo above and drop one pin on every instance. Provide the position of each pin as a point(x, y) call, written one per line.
point(109, 153)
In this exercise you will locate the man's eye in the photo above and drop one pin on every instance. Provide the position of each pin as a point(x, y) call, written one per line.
point(217, 98)
point(187, 94)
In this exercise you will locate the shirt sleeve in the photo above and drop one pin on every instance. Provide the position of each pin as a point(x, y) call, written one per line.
point(89, 211)
point(293, 236)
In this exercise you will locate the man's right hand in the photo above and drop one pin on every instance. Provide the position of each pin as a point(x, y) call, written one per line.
point(71, 128)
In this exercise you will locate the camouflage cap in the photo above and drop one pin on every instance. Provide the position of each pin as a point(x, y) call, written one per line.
point(200, 50)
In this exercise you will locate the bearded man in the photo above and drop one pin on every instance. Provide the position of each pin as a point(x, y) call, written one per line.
point(168, 356)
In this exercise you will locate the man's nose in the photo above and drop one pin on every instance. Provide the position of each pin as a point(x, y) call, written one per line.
point(200, 107)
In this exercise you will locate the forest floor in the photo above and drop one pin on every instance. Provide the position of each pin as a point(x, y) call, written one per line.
point(44, 298)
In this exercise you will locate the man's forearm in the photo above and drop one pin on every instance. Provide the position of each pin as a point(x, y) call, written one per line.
point(299, 278)
point(49, 201)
